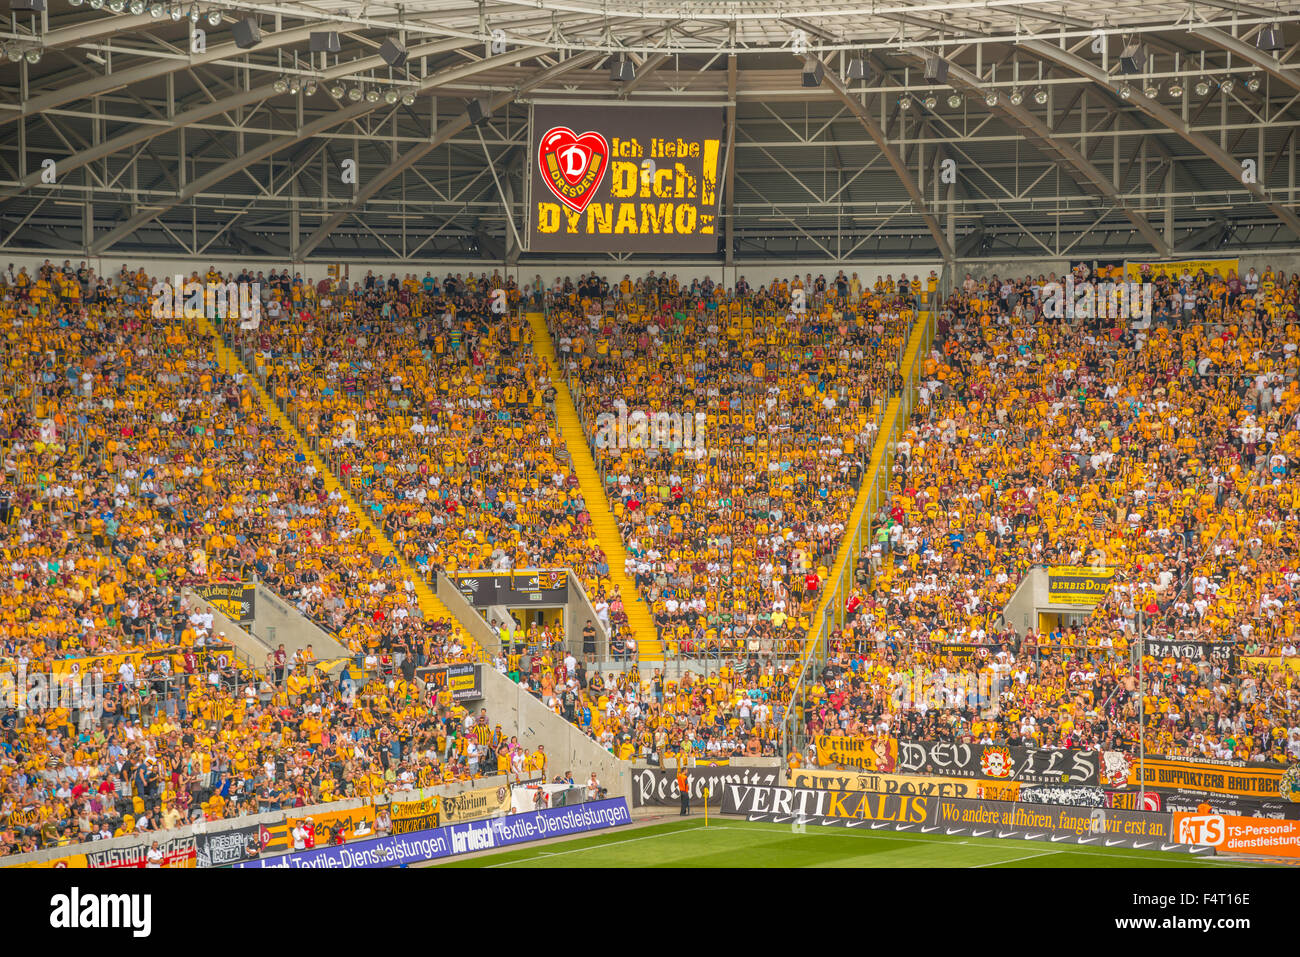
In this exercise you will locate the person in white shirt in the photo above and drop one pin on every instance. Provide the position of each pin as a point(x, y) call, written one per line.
point(155, 856)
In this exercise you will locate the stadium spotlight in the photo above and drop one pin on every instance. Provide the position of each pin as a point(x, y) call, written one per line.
point(1269, 39)
point(857, 70)
point(931, 102)
point(390, 96)
point(1131, 60)
point(1125, 91)
point(281, 85)
point(991, 98)
point(156, 10)
point(214, 17)
point(1253, 84)
point(116, 6)
point(954, 100)
point(310, 88)
point(1175, 89)
point(372, 95)
point(408, 99)
point(1016, 97)
point(177, 12)
point(622, 70)
point(813, 72)
point(1152, 90)
point(33, 54)
point(294, 85)
point(337, 91)
point(904, 102)
point(76, 3)
point(1227, 85)
point(355, 94)
point(1202, 87)
point(1040, 96)
point(137, 7)
point(97, 4)
point(195, 15)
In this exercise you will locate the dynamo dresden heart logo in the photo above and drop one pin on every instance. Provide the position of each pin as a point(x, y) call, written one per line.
point(573, 165)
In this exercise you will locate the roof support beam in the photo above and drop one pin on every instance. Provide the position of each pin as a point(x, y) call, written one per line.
point(154, 69)
point(1042, 138)
point(448, 129)
point(275, 145)
point(1244, 51)
point(1167, 118)
point(643, 72)
point(895, 161)
point(143, 134)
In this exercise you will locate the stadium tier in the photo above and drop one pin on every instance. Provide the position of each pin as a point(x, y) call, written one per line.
point(355, 442)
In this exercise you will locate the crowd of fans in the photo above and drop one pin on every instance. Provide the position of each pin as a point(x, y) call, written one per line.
point(134, 467)
point(730, 527)
point(438, 414)
point(1163, 447)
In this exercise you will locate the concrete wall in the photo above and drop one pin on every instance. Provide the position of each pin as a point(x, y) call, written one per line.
point(569, 748)
point(759, 271)
point(269, 818)
point(576, 616)
point(1288, 259)
point(525, 274)
point(488, 638)
point(1030, 599)
point(276, 621)
point(248, 644)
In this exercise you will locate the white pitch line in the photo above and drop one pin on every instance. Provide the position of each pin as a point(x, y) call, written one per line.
point(579, 850)
point(1012, 860)
point(1072, 848)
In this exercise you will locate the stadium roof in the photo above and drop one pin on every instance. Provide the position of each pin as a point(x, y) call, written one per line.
point(1162, 128)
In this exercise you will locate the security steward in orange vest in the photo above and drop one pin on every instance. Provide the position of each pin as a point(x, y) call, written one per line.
point(684, 789)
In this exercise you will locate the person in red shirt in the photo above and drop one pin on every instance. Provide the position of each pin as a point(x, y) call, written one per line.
point(811, 583)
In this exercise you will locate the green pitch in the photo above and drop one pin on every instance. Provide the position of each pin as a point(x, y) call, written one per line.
point(691, 844)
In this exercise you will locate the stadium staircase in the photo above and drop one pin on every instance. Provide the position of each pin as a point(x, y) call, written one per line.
point(431, 606)
point(875, 485)
point(649, 648)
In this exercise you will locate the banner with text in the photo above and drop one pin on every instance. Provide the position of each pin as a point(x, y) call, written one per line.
point(922, 784)
point(1244, 779)
point(1162, 648)
point(410, 816)
point(866, 753)
point(472, 805)
point(453, 839)
point(657, 787)
point(1176, 268)
point(1077, 584)
point(625, 179)
point(177, 852)
point(999, 762)
point(462, 682)
point(235, 600)
point(1229, 834)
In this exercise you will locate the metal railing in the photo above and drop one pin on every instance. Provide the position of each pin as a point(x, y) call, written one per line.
point(837, 592)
